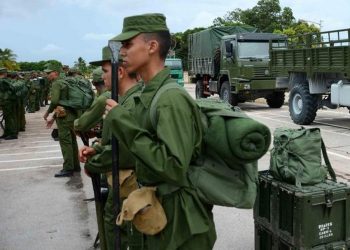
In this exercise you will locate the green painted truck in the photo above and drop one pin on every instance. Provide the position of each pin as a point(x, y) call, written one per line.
point(233, 62)
point(318, 69)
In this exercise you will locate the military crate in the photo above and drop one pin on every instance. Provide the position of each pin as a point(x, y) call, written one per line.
point(304, 217)
point(266, 240)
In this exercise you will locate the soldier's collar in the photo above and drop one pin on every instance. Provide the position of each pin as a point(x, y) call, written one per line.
point(150, 89)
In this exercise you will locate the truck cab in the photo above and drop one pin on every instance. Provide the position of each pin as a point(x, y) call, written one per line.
point(244, 72)
point(176, 69)
point(239, 70)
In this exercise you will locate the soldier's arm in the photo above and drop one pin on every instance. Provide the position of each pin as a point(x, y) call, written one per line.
point(55, 96)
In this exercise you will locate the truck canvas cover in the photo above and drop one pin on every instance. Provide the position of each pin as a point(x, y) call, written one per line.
point(204, 43)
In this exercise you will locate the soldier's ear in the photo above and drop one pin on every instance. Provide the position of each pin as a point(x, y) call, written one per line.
point(121, 72)
point(153, 46)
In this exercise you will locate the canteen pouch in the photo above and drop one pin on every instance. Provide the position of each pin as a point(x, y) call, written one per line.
point(143, 208)
point(127, 182)
point(60, 112)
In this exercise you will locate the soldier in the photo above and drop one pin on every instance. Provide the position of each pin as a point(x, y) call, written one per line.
point(64, 117)
point(163, 155)
point(9, 107)
point(20, 91)
point(98, 82)
point(128, 88)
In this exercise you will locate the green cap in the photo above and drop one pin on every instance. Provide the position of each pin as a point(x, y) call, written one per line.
point(3, 70)
point(97, 75)
point(146, 23)
point(106, 57)
point(53, 67)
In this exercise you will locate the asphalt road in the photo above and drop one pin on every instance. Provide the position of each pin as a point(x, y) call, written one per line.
point(38, 211)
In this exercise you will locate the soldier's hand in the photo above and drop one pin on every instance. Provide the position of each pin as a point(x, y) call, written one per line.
point(85, 152)
point(110, 103)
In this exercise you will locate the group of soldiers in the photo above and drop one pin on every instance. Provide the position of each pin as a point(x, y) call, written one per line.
point(20, 92)
point(159, 208)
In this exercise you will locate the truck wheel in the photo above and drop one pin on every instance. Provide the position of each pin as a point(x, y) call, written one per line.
point(275, 99)
point(302, 105)
point(200, 90)
point(226, 95)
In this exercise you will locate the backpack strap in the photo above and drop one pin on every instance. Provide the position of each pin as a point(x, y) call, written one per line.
point(328, 163)
point(161, 90)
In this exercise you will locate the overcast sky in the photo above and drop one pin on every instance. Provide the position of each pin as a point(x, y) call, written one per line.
point(67, 29)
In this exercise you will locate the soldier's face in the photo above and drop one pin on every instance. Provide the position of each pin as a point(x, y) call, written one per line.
point(135, 53)
point(107, 74)
point(51, 75)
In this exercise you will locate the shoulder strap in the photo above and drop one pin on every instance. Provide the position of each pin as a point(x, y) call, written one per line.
point(155, 99)
point(328, 163)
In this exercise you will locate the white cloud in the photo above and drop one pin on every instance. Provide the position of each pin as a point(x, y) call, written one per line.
point(202, 19)
point(51, 48)
point(98, 37)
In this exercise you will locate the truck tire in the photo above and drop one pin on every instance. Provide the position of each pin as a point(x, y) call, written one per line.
point(302, 105)
point(275, 99)
point(200, 90)
point(226, 95)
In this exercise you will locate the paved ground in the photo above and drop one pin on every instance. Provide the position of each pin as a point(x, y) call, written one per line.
point(38, 211)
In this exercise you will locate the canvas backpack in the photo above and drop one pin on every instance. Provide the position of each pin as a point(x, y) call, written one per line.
point(226, 172)
point(296, 156)
point(80, 94)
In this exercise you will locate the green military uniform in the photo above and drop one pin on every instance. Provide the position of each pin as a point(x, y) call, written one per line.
point(91, 117)
point(66, 134)
point(163, 158)
point(102, 163)
point(21, 91)
point(9, 109)
point(33, 96)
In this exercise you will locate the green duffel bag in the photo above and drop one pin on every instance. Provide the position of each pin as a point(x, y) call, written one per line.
point(296, 156)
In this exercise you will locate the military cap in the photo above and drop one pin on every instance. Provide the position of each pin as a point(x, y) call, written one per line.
point(97, 75)
point(52, 67)
point(146, 23)
point(3, 70)
point(106, 57)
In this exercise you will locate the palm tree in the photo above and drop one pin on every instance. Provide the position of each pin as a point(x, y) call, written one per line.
point(7, 55)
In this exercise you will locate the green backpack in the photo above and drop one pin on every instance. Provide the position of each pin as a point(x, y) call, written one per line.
point(296, 156)
point(80, 95)
point(226, 172)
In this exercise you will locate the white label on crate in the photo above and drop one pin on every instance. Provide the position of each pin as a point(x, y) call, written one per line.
point(325, 230)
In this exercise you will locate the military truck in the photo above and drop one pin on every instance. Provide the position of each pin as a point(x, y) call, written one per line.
point(176, 69)
point(318, 68)
point(233, 62)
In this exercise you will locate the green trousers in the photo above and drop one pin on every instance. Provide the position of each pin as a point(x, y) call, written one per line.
point(21, 115)
point(68, 141)
point(9, 110)
point(31, 102)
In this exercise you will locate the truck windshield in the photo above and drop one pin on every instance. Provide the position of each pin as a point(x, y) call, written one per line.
point(173, 64)
point(253, 49)
point(256, 49)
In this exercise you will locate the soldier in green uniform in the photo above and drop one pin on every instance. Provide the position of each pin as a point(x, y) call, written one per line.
point(94, 114)
point(9, 106)
point(20, 92)
point(102, 161)
point(163, 155)
point(64, 117)
point(98, 82)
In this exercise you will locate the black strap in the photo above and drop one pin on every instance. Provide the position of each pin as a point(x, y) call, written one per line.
point(328, 163)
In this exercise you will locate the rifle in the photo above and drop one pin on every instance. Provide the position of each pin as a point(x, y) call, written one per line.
point(99, 204)
point(115, 47)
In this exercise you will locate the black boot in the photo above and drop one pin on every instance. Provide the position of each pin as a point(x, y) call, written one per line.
point(64, 173)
